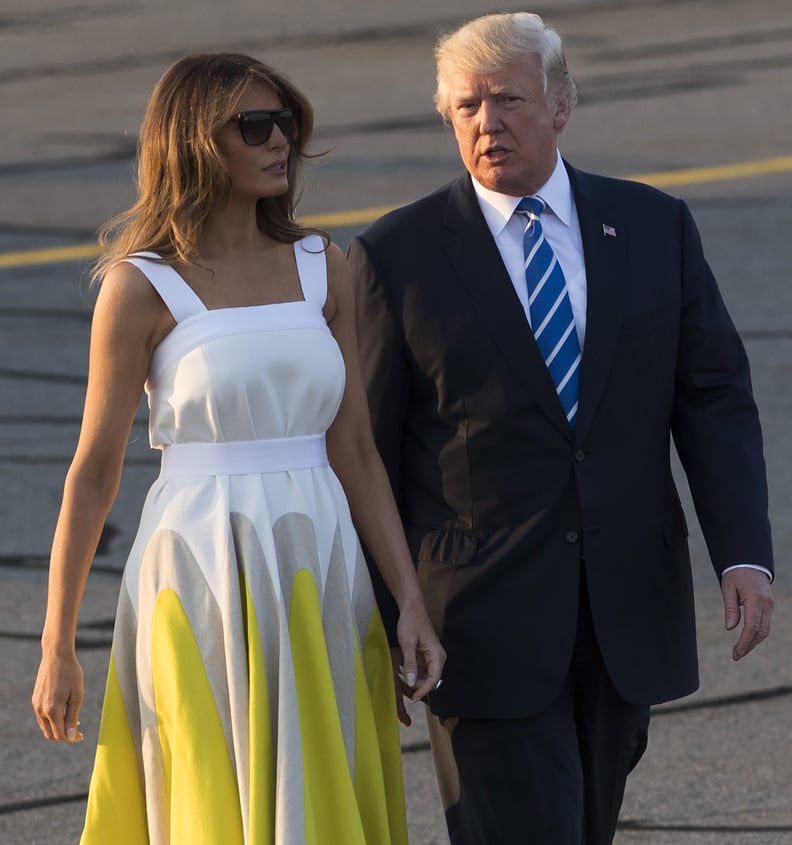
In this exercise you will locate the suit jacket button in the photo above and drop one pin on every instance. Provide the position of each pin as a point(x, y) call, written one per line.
point(580, 456)
point(572, 537)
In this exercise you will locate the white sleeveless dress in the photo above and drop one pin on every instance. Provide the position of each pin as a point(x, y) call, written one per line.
point(249, 696)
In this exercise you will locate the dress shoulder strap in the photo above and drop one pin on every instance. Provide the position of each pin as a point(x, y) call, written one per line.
point(312, 268)
point(181, 300)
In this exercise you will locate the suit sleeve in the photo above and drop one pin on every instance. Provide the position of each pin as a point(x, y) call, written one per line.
point(715, 422)
point(385, 377)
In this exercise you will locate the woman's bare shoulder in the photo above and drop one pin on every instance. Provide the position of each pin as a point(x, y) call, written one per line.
point(127, 296)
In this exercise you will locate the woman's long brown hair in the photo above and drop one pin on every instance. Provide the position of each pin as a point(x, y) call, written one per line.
point(180, 173)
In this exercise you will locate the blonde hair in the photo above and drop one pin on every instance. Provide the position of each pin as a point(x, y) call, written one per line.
point(181, 175)
point(491, 43)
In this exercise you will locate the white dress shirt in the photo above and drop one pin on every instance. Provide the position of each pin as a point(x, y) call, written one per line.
point(562, 231)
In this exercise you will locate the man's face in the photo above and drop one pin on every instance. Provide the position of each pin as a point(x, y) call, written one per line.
point(505, 127)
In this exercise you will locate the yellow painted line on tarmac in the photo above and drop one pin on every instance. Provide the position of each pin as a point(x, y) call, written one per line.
point(335, 219)
point(78, 252)
point(85, 252)
point(718, 173)
point(363, 216)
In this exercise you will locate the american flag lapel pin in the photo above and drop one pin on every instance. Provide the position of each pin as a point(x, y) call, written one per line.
point(608, 231)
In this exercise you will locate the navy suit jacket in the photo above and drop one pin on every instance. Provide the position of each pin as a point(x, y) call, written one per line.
point(501, 500)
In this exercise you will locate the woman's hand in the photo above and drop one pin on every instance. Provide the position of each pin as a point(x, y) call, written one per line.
point(422, 655)
point(57, 698)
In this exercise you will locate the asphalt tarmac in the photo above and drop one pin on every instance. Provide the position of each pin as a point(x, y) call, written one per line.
point(690, 95)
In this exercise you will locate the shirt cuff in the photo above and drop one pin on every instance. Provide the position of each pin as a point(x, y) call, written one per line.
point(767, 572)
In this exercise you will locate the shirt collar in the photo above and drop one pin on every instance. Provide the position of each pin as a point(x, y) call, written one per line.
point(499, 208)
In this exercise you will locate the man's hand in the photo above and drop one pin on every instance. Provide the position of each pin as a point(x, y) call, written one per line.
point(750, 589)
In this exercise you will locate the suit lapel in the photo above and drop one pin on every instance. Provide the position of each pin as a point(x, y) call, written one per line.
point(473, 252)
point(604, 234)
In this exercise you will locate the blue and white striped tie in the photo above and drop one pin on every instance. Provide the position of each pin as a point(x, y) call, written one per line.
point(551, 312)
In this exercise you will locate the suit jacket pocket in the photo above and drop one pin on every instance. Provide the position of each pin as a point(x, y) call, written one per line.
point(448, 545)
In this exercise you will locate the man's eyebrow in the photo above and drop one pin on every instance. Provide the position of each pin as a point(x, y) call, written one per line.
point(485, 91)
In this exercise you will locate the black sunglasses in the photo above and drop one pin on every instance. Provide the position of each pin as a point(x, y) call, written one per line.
point(256, 126)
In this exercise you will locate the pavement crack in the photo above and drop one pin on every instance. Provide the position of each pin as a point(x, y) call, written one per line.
point(38, 803)
point(670, 827)
point(725, 701)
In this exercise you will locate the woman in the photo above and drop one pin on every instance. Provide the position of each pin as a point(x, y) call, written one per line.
point(250, 696)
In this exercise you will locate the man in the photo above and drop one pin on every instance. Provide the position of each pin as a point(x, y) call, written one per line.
point(527, 362)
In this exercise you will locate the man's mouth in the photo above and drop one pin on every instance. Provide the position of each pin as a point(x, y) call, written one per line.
point(494, 154)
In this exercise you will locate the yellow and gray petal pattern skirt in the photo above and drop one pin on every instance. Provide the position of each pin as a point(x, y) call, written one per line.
point(249, 697)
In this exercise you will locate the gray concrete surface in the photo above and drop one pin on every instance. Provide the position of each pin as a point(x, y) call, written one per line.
point(664, 87)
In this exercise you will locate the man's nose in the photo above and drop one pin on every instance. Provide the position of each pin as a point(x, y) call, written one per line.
point(489, 117)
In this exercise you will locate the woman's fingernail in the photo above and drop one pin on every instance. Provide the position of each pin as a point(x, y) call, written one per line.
point(71, 734)
point(411, 679)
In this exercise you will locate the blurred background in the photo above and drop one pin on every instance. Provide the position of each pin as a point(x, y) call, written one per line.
point(692, 96)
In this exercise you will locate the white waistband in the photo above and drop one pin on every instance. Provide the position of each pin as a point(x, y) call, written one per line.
point(244, 457)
